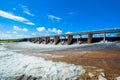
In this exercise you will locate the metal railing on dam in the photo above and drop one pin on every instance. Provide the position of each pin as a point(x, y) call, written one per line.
point(80, 37)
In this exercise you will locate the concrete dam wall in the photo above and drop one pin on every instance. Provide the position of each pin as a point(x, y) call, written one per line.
point(78, 38)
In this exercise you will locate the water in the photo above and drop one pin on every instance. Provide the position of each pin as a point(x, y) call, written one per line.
point(13, 64)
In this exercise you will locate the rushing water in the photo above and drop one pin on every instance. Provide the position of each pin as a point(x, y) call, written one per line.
point(13, 64)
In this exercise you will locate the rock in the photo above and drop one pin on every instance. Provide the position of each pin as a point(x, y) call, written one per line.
point(103, 74)
point(75, 78)
point(100, 70)
point(91, 74)
point(25, 77)
point(20, 77)
point(39, 77)
point(101, 78)
point(118, 78)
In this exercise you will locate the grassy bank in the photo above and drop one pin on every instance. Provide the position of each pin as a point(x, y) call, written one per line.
point(11, 40)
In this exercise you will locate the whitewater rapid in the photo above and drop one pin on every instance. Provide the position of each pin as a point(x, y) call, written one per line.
point(14, 64)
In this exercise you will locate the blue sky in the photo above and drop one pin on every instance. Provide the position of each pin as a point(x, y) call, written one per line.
point(28, 18)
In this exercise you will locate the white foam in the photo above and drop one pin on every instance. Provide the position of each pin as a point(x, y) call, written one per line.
point(118, 78)
point(48, 47)
point(13, 64)
point(2, 47)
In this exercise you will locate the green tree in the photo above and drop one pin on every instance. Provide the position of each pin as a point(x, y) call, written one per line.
point(118, 34)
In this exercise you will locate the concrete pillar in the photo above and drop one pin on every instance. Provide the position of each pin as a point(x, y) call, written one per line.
point(56, 39)
point(90, 35)
point(35, 40)
point(70, 38)
point(104, 38)
point(40, 40)
point(47, 40)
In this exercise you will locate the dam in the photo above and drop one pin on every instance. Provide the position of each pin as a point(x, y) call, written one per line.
point(78, 38)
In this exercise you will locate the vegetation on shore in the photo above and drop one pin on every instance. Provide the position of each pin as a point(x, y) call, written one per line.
point(11, 40)
point(118, 34)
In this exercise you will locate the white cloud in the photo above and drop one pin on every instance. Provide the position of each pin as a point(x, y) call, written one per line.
point(54, 30)
point(12, 35)
point(49, 30)
point(25, 29)
point(33, 34)
point(52, 17)
point(14, 9)
point(5, 36)
point(19, 36)
point(26, 10)
point(17, 28)
point(68, 32)
point(72, 13)
point(29, 23)
point(15, 18)
point(41, 29)
point(59, 31)
point(14, 32)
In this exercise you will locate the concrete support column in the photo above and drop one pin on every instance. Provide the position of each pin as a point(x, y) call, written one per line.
point(90, 35)
point(70, 38)
point(56, 39)
point(47, 40)
point(104, 38)
point(35, 39)
point(40, 40)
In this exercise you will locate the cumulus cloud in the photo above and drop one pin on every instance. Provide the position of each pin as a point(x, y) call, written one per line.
point(52, 17)
point(14, 32)
point(25, 29)
point(59, 31)
point(68, 32)
point(33, 34)
point(41, 29)
point(49, 30)
point(54, 30)
point(15, 18)
point(17, 28)
point(26, 10)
